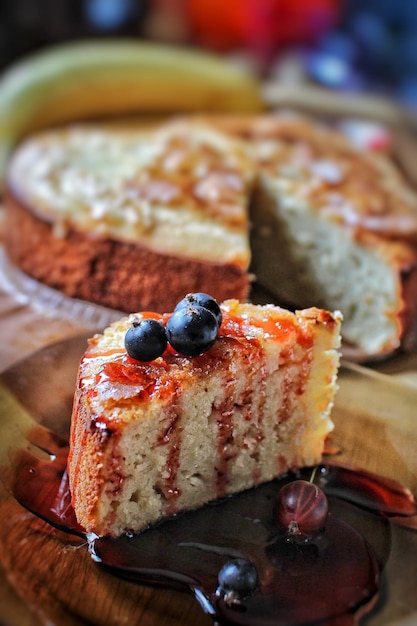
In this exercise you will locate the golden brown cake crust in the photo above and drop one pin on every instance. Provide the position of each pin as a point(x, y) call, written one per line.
point(408, 312)
point(95, 445)
point(115, 274)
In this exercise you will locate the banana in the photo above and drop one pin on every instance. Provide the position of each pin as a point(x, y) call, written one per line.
point(96, 78)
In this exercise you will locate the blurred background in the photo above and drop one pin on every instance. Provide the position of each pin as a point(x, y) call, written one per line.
point(346, 45)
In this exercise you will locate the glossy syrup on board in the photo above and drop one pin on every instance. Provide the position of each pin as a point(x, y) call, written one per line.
point(331, 580)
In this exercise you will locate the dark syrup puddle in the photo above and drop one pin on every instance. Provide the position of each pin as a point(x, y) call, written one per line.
point(331, 580)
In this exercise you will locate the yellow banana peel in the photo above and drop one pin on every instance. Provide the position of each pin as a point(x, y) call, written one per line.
point(101, 78)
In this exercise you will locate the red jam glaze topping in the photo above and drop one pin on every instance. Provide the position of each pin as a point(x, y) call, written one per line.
point(281, 330)
point(121, 378)
point(235, 326)
point(124, 370)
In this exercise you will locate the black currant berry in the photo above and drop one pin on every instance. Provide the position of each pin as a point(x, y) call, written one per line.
point(237, 579)
point(192, 330)
point(201, 299)
point(301, 509)
point(146, 340)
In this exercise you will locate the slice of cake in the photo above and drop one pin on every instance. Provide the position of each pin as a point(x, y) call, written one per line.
point(150, 439)
point(131, 219)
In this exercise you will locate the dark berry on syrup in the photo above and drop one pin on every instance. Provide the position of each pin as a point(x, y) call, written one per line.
point(192, 330)
point(237, 580)
point(201, 299)
point(146, 340)
point(301, 509)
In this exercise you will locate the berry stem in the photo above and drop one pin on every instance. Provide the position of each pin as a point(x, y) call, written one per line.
point(313, 475)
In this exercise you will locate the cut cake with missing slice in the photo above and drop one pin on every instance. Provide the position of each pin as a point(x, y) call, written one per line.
point(149, 440)
point(131, 218)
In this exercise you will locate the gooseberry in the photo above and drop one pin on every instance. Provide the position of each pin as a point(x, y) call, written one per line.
point(301, 509)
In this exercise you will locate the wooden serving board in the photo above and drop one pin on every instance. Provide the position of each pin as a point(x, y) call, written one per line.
point(48, 576)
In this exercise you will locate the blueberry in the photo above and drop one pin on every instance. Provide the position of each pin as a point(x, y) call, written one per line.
point(201, 299)
point(237, 579)
point(192, 330)
point(146, 340)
